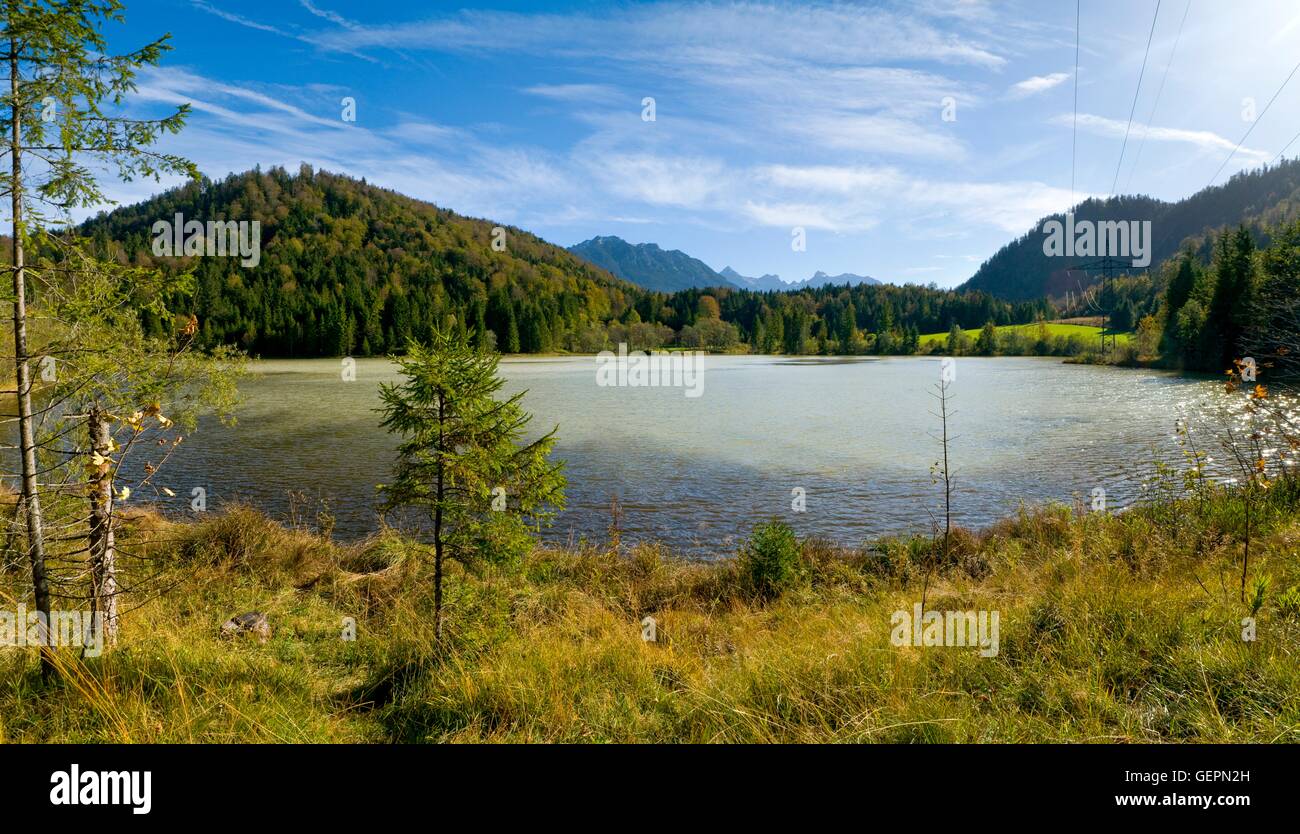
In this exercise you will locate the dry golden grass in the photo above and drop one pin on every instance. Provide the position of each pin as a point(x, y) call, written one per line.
point(1122, 628)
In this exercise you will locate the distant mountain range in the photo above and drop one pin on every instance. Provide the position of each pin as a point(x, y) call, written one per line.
point(768, 282)
point(1260, 199)
point(670, 270)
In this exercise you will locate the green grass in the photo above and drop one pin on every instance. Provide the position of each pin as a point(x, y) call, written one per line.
point(1113, 628)
point(1091, 335)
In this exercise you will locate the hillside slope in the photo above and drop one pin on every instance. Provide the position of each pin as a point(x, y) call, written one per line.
point(1260, 199)
point(347, 267)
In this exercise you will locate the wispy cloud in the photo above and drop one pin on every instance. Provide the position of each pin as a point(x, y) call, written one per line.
point(234, 18)
point(581, 93)
point(858, 197)
point(275, 30)
point(1037, 84)
point(332, 17)
point(839, 34)
point(1202, 139)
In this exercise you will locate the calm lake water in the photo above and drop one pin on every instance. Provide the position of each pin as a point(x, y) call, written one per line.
point(697, 473)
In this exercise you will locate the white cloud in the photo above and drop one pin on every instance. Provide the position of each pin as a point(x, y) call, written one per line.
point(326, 14)
point(691, 33)
point(878, 134)
point(854, 197)
point(661, 181)
point(275, 30)
point(582, 93)
point(833, 179)
point(1037, 84)
point(1203, 139)
point(234, 18)
point(810, 216)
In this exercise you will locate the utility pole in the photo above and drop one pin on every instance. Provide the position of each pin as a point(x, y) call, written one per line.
point(1109, 268)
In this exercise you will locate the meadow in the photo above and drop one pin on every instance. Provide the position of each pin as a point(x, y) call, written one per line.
point(1089, 334)
point(1120, 627)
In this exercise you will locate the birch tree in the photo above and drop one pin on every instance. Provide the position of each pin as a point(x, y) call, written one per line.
point(63, 122)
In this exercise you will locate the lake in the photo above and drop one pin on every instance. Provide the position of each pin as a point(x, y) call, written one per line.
point(856, 435)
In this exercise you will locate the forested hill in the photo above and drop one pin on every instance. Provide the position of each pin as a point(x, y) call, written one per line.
point(347, 267)
point(1259, 199)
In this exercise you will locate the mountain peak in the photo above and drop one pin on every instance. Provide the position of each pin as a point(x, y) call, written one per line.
point(648, 264)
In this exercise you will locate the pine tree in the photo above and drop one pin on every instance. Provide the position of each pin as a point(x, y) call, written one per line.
point(461, 459)
point(986, 344)
point(1232, 306)
point(956, 339)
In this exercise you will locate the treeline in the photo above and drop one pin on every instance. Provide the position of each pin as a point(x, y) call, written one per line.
point(867, 318)
point(1226, 296)
point(1242, 301)
point(347, 268)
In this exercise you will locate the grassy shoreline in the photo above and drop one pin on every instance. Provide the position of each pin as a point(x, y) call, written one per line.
point(1114, 628)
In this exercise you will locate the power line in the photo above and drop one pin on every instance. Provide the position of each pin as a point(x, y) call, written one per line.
point(1285, 149)
point(1074, 147)
point(1255, 122)
point(1133, 109)
point(1150, 119)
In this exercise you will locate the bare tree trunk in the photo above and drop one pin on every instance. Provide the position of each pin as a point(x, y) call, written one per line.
point(1245, 557)
point(947, 476)
point(103, 554)
point(942, 396)
point(437, 536)
point(23, 376)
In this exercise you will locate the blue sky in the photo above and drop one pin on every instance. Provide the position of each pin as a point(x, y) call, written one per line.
point(767, 116)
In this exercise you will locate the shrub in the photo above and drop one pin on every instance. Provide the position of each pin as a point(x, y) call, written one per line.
point(1288, 602)
point(769, 561)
